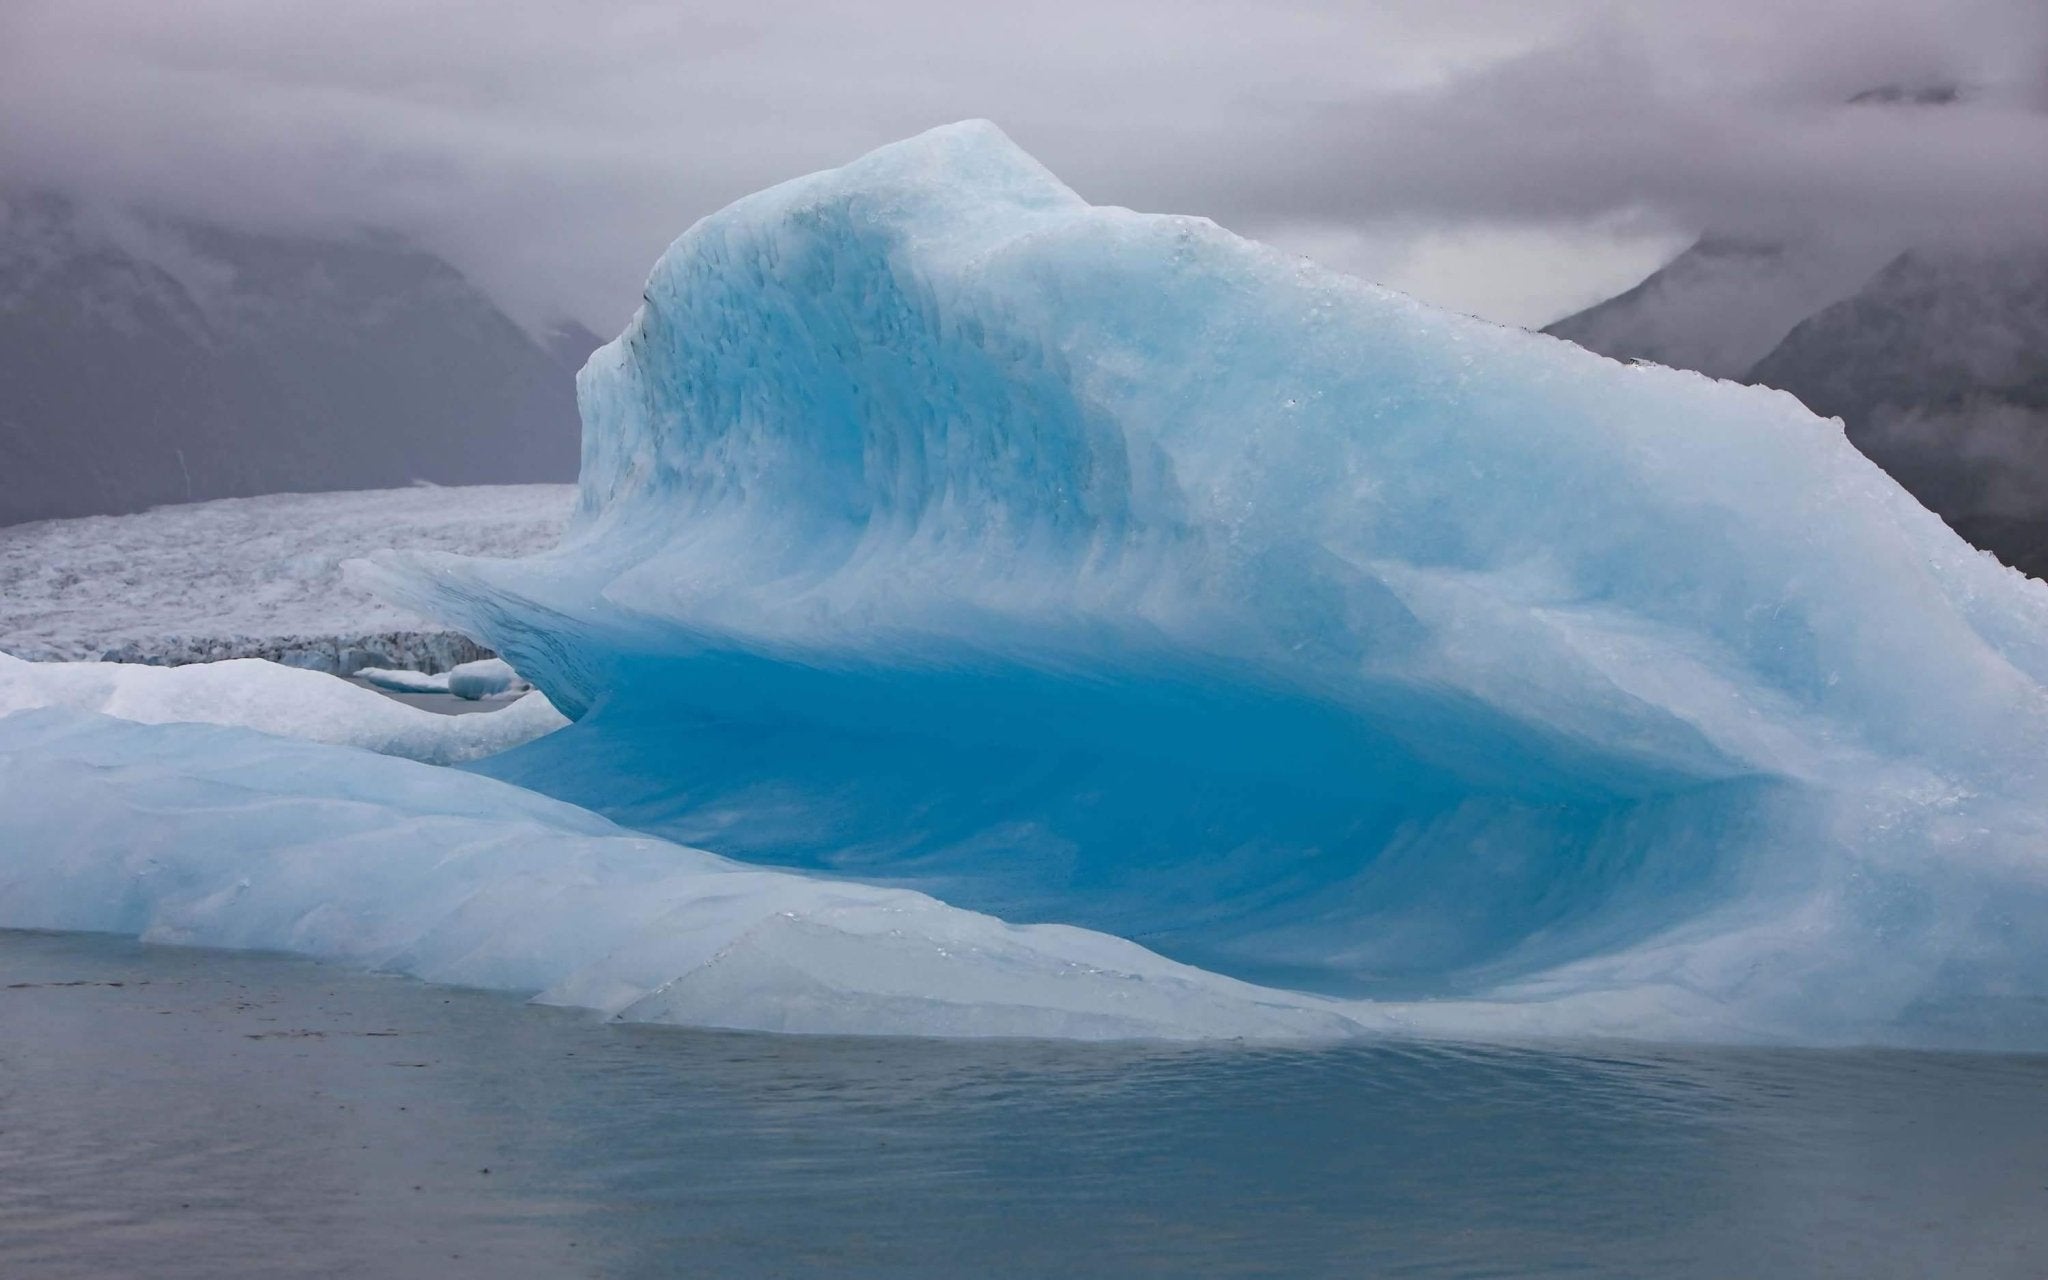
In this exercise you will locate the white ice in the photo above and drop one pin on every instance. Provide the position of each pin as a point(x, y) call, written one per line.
point(403, 681)
point(253, 694)
point(485, 678)
point(247, 576)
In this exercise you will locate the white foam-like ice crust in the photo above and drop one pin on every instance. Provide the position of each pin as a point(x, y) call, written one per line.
point(254, 577)
point(253, 694)
point(203, 835)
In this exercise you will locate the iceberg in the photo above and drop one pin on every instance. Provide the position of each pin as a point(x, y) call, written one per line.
point(938, 529)
point(399, 680)
point(470, 681)
point(485, 678)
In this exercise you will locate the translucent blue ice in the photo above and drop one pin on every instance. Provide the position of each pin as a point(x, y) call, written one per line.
point(214, 835)
point(1074, 564)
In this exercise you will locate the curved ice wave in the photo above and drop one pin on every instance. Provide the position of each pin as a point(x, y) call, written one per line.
point(1083, 565)
point(209, 835)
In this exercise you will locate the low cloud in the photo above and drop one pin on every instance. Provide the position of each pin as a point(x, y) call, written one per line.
point(1509, 158)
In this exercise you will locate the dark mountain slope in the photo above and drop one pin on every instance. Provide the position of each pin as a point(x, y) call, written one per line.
point(1721, 305)
point(145, 361)
point(1935, 359)
point(1939, 369)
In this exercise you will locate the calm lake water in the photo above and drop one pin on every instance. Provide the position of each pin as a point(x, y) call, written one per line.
point(188, 1113)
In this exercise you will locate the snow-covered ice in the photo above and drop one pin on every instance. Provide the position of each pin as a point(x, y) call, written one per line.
point(254, 577)
point(253, 694)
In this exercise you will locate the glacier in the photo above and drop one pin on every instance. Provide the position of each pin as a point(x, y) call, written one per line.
point(255, 577)
point(1293, 657)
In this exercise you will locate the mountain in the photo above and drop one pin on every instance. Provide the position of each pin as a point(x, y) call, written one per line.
point(1939, 368)
point(146, 359)
point(1721, 305)
point(1935, 358)
point(1937, 362)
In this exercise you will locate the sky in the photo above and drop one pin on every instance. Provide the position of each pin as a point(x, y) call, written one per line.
point(1516, 159)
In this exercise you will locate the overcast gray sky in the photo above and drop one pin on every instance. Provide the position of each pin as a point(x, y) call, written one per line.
point(1513, 158)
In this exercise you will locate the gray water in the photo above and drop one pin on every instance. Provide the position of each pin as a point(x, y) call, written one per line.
point(190, 1113)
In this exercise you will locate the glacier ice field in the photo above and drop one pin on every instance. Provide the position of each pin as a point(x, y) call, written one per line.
point(1298, 659)
point(253, 577)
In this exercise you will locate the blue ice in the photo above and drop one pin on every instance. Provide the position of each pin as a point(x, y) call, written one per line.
point(939, 528)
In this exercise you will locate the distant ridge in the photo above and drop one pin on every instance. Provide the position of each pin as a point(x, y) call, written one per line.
point(1939, 368)
point(1937, 365)
point(1935, 358)
point(146, 360)
point(1722, 305)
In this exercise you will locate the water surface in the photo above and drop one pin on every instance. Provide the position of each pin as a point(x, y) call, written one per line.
point(171, 1113)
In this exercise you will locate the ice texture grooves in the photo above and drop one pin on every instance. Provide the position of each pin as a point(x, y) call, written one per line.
point(210, 835)
point(1081, 565)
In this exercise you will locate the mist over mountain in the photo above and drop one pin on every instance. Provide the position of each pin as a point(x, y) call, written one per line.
point(1936, 362)
point(1934, 355)
point(151, 359)
point(1939, 368)
point(1723, 304)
